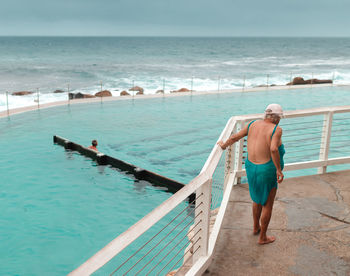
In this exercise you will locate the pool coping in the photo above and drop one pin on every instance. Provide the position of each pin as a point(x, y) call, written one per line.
point(168, 95)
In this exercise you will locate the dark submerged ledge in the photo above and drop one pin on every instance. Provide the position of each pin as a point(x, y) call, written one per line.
point(139, 173)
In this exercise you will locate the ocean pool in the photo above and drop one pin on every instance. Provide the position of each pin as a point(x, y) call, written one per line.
point(59, 208)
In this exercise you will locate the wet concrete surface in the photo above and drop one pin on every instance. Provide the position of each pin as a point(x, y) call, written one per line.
point(311, 222)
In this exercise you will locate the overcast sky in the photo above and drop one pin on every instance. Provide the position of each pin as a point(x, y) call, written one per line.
point(175, 17)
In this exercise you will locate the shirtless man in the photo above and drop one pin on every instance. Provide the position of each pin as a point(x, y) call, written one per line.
point(93, 145)
point(264, 165)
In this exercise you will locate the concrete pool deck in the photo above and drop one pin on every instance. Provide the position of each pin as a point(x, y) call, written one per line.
point(311, 222)
point(166, 95)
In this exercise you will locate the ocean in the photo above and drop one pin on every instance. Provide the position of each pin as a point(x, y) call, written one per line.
point(45, 64)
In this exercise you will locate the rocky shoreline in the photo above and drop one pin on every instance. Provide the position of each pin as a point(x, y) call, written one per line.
point(140, 91)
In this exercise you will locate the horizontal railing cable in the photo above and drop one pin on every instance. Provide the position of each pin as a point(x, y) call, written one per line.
point(341, 135)
point(302, 128)
point(186, 244)
point(179, 252)
point(216, 191)
point(341, 119)
point(302, 150)
point(291, 145)
point(340, 146)
point(215, 199)
point(175, 227)
point(166, 244)
point(194, 252)
point(305, 144)
point(340, 141)
point(341, 130)
point(143, 246)
point(298, 123)
point(217, 195)
point(169, 251)
point(337, 145)
point(343, 123)
point(216, 186)
point(298, 157)
point(303, 139)
point(303, 134)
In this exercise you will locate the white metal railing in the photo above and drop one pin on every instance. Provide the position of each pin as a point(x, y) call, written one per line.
point(309, 130)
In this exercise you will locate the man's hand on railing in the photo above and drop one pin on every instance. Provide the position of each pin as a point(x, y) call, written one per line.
point(221, 144)
point(280, 176)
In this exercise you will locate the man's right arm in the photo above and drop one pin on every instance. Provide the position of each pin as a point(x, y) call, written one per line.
point(234, 138)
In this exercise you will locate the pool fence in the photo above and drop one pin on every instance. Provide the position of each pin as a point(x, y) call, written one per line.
point(190, 82)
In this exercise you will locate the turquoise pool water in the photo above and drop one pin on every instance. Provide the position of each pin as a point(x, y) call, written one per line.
point(59, 208)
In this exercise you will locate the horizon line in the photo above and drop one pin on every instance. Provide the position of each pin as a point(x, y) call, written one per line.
point(178, 36)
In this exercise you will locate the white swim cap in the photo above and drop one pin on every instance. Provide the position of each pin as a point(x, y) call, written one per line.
point(274, 109)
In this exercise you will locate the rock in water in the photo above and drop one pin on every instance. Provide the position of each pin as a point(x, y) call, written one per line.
point(159, 91)
point(137, 88)
point(73, 96)
point(300, 81)
point(181, 90)
point(22, 93)
point(317, 81)
point(297, 81)
point(58, 91)
point(124, 93)
point(104, 93)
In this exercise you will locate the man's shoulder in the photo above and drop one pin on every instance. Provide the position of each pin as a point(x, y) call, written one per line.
point(278, 130)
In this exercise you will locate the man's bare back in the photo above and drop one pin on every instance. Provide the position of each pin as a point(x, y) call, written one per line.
point(259, 141)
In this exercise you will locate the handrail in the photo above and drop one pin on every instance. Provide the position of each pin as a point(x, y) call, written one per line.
point(216, 152)
point(202, 185)
point(301, 113)
point(140, 227)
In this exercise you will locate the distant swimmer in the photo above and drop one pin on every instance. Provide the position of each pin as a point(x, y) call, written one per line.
point(264, 165)
point(94, 145)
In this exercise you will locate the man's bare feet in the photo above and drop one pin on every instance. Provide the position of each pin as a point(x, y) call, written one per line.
point(267, 240)
point(256, 232)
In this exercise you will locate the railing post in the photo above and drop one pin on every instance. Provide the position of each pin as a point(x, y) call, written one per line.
point(202, 219)
point(191, 85)
point(238, 153)
point(68, 94)
point(267, 81)
point(38, 99)
point(243, 86)
point(101, 91)
point(325, 141)
point(219, 80)
point(7, 103)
